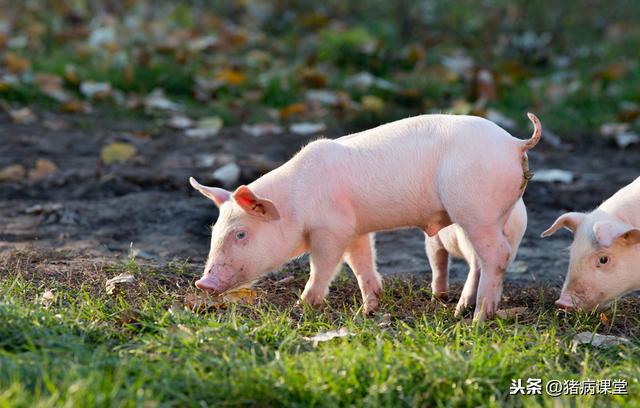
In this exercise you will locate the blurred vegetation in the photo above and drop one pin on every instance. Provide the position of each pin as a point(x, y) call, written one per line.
point(574, 63)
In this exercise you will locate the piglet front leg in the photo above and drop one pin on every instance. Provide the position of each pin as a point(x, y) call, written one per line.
point(360, 255)
point(326, 251)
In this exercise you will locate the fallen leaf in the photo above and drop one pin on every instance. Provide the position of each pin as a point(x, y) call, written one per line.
point(75, 106)
point(314, 78)
point(629, 112)
point(612, 129)
point(71, 74)
point(597, 340)
point(626, 139)
point(23, 116)
point(112, 283)
point(47, 298)
point(553, 176)
point(458, 64)
point(157, 100)
point(292, 109)
point(244, 295)
point(372, 103)
point(95, 90)
point(202, 43)
point(262, 129)
point(362, 81)
point(612, 72)
point(329, 335)
point(16, 64)
point(206, 127)
point(511, 312)
point(51, 85)
point(47, 208)
point(180, 122)
point(485, 85)
point(620, 133)
point(323, 97)
point(117, 152)
point(230, 77)
point(228, 174)
point(55, 124)
point(204, 302)
point(102, 36)
point(15, 172)
point(43, 168)
point(307, 128)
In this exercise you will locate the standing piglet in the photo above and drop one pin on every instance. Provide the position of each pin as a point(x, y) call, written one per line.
point(604, 260)
point(453, 241)
point(427, 171)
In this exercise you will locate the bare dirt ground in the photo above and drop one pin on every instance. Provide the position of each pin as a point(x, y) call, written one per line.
point(96, 212)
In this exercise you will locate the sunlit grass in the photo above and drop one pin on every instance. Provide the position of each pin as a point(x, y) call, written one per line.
point(143, 348)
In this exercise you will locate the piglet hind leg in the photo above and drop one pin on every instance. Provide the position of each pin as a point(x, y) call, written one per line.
point(360, 256)
point(470, 289)
point(439, 263)
point(325, 259)
point(494, 252)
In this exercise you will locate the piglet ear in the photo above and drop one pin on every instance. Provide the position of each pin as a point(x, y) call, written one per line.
point(215, 194)
point(570, 221)
point(254, 205)
point(608, 232)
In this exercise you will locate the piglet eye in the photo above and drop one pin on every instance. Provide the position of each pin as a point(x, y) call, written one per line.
point(241, 235)
point(603, 260)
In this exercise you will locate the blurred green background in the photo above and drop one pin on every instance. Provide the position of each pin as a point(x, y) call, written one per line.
point(347, 64)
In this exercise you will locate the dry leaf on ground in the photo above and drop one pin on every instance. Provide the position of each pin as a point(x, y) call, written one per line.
point(15, 172)
point(329, 335)
point(597, 340)
point(117, 152)
point(43, 168)
point(112, 283)
point(47, 299)
point(204, 302)
point(23, 116)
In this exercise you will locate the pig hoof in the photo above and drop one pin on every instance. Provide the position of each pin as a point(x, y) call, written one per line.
point(370, 307)
point(481, 314)
point(313, 301)
point(441, 296)
point(462, 309)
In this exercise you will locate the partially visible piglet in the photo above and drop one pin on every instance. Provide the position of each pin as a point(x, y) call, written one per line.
point(427, 171)
point(604, 261)
point(453, 241)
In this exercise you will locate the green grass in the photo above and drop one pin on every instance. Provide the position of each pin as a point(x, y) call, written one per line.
point(140, 348)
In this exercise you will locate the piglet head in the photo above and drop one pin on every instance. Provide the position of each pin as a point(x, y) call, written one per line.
point(603, 263)
point(242, 239)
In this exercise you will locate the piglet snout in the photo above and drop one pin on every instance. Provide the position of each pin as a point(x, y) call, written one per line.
point(217, 280)
point(565, 302)
point(206, 284)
